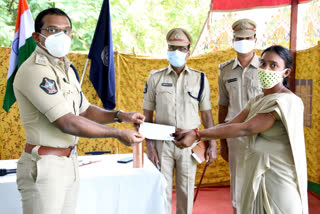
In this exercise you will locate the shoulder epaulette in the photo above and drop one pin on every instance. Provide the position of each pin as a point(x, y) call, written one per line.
point(41, 59)
point(157, 71)
point(191, 69)
point(222, 65)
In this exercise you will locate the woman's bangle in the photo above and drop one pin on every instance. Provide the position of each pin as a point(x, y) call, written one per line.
point(197, 133)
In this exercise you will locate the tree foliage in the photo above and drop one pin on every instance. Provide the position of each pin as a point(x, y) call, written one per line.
point(138, 26)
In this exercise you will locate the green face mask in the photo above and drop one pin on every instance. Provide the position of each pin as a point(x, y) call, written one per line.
point(269, 79)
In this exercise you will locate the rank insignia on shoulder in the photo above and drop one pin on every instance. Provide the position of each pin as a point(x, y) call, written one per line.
point(167, 84)
point(41, 59)
point(145, 88)
point(49, 86)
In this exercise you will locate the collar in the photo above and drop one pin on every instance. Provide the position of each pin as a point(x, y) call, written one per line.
point(170, 69)
point(254, 62)
point(53, 60)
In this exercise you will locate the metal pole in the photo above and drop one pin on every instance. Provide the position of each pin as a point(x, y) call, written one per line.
point(84, 72)
point(293, 42)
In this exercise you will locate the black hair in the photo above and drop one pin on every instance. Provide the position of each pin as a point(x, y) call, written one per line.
point(284, 53)
point(50, 11)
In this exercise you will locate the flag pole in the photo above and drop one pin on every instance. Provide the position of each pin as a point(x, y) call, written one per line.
point(84, 72)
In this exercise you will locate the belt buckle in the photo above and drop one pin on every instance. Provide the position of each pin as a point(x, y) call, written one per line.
point(73, 151)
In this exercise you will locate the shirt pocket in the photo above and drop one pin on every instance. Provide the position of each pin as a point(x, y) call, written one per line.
point(66, 89)
point(254, 89)
point(164, 95)
point(253, 84)
point(191, 102)
point(234, 91)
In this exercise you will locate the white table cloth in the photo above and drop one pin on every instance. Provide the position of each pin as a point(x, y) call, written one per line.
point(105, 187)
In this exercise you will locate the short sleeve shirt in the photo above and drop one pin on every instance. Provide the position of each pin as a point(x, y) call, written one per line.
point(237, 85)
point(174, 98)
point(47, 89)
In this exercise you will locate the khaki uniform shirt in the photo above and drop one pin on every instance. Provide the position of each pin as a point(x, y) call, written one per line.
point(47, 89)
point(170, 96)
point(237, 85)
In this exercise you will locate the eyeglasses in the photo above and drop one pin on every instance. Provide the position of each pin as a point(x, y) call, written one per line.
point(53, 30)
point(244, 38)
point(179, 48)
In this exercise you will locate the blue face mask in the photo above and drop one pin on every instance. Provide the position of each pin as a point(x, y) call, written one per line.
point(177, 58)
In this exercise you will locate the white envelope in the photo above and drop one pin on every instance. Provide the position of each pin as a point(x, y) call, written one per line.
point(156, 131)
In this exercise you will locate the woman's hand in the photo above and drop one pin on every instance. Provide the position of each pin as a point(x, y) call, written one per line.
point(184, 138)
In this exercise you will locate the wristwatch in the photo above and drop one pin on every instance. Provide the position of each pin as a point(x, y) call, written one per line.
point(116, 116)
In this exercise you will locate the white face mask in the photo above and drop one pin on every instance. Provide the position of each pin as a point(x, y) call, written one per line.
point(244, 46)
point(57, 45)
point(177, 58)
point(269, 79)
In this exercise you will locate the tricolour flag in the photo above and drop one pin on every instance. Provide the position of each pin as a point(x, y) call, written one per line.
point(22, 47)
point(102, 62)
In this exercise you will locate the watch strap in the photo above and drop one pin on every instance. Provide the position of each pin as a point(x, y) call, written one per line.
point(116, 116)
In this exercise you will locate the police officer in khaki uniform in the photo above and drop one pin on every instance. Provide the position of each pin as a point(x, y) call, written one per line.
point(238, 82)
point(174, 93)
point(54, 112)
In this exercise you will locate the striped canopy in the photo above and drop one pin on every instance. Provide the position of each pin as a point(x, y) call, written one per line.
point(246, 4)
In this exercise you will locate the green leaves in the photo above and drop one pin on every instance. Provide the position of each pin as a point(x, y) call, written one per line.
point(138, 24)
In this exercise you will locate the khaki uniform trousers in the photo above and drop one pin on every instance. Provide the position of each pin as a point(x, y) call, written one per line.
point(236, 148)
point(170, 158)
point(48, 184)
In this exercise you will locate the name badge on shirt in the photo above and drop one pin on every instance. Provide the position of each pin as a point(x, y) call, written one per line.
point(232, 80)
point(167, 84)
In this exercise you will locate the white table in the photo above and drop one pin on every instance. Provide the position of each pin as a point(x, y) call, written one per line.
point(105, 187)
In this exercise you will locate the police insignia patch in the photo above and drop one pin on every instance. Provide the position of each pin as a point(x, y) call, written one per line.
point(49, 86)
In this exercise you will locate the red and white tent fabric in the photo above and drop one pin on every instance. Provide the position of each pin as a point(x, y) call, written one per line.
point(245, 4)
point(273, 18)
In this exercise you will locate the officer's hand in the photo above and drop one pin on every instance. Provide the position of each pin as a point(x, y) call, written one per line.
point(211, 153)
point(129, 137)
point(184, 138)
point(224, 150)
point(132, 117)
point(152, 152)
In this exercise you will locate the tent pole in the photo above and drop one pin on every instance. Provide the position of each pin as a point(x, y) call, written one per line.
point(293, 42)
point(84, 72)
point(204, 25)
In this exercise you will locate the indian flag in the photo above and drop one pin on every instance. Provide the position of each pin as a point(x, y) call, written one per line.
point(22, 47)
